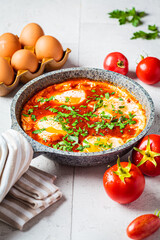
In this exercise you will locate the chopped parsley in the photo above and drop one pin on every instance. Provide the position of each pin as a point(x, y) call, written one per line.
point(75, 123)
point(30, 110)
point(26, 115)
point(83, 106)
point(74, 139)
point(107, 95)
point(43, 119)
point(33, 117)
point(98, 105)
point(54, 110)
point(85, 133)
point(67, 99)
point(49, 99)
point(46, 99)
point(39, 131)
point(101, 134)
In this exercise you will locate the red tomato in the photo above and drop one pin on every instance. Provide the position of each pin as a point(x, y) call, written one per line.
point(143, 226)
point(116, 62)
point(146, 155)
point(148, 70)
point(123, 182)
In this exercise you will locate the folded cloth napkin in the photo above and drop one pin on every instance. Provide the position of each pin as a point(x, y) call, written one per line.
point(24, 191)
point(31, 194)
point(15, 156)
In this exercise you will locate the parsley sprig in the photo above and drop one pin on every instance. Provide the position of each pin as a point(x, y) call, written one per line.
point(131, 16)
point(153, 34)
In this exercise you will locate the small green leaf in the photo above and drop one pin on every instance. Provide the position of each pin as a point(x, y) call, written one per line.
point(26, 115)
point(93, 90)
point(107, 95)
point(67, 99)
point(153, 28)
point(33, 117)
point(30, 110)
point(39, 131)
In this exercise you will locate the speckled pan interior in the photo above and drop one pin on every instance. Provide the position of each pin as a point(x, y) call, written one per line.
point(74, 158)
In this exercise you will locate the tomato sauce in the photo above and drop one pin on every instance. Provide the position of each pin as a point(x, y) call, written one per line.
point(91, 109)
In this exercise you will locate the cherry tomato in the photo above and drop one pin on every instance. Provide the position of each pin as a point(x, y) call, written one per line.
point(143, 226)
point(116, 62)
point(148, 70)
point(123, 182)
point(146, 155)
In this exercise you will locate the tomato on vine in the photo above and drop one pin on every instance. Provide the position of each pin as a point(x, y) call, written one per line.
point(123, 182)
point(146, 155)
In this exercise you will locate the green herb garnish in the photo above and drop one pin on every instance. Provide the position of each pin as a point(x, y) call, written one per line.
point(75, 123)
point(30, 110)
point(33, 117)
point(67, 99)
point(83, 106)
point(150, 35)
point(54, 110)
point(39, 131)
point(40, 100)
point(26, 115)
point(107, 95)
point(43, 119)
point(131, 16)
point(101, 134)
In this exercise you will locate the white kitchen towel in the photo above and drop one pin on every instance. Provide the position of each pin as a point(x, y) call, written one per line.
point(15, 156)
point(34, 192)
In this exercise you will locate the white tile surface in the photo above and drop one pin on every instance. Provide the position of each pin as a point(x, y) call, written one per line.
point(85, 212)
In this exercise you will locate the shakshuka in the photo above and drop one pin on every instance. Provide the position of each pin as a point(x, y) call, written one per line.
point(83, 115)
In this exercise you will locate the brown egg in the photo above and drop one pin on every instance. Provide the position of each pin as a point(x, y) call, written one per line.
point(48, 47)
point(9, 44)
point(24, 60)
point(30, 34)
point(6, 72)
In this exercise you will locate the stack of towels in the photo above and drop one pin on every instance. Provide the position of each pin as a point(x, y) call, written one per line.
point(25, 191)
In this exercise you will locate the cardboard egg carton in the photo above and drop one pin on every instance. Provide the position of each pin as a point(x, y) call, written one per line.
point(24, 76)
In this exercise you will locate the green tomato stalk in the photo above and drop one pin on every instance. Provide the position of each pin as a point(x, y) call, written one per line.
point(123, 172)
point(148, 155)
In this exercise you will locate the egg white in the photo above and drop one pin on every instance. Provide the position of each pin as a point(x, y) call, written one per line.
point(115, 141)
point(53, 129)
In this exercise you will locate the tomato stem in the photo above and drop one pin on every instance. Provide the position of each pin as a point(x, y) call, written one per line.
point(120, 64)
point(123, 172)
point(148, 155)
point(157, 213)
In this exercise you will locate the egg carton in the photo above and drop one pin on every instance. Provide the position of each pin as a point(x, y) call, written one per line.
point(24, 76)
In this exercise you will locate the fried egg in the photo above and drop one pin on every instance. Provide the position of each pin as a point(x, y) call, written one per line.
point(53, 130)
point(99, 143)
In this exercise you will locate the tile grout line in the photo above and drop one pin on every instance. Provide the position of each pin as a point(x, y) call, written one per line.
point(74, 167)
point(72, 203)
